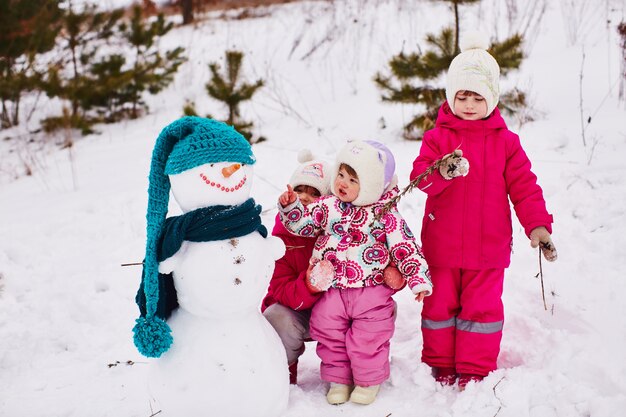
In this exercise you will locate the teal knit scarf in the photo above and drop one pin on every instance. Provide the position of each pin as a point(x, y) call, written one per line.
point(201, 225)
point(209, 224)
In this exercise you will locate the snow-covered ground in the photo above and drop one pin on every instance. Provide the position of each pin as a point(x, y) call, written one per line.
point(67, 306)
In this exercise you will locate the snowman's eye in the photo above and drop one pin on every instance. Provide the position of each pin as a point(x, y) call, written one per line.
point(243, 165)
point(212, 164)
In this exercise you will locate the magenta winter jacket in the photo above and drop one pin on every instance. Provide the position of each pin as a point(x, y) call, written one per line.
point(467, 220)
point(287, 285)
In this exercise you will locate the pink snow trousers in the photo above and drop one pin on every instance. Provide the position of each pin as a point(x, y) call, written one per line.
point(462, 320)
point(352, 328)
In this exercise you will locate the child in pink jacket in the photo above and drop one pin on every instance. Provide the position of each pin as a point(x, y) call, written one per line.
point(353, 320)
point(466, 229)
point(287, 304)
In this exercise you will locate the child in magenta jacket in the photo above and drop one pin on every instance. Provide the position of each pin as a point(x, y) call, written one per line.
point(353, 320)
point(466, 229)
point(287, 305)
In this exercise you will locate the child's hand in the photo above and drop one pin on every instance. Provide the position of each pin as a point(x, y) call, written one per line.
point(393, 278)
point(420, 296)
point(319, 276)
point(454, 165)
point(287, 197)
point(539, 236)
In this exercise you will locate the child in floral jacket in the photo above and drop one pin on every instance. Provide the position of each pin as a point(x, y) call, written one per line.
point(353, 320)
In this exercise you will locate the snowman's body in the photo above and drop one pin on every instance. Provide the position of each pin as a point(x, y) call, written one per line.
point(226, 359)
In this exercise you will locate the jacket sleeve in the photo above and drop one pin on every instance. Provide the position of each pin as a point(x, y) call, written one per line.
point(434, 183)
point(287, 284)
point(524, 192)
point(299, 220)
point(406, 253)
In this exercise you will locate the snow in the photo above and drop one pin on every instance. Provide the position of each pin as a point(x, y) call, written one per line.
point(67, 306)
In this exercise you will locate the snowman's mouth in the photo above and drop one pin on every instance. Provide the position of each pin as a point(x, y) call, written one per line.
point(223, 187)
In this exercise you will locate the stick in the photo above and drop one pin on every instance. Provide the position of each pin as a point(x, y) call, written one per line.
point(132, 264)
point(495, 394)
point(580, 100)
point(394, 201)
point(543, 293)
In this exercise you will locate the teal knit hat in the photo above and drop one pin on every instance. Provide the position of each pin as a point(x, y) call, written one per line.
point(182, 145)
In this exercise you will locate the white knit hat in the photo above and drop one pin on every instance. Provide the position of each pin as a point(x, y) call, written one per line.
point(375, 166)
point(474, 69)
point(311, 172)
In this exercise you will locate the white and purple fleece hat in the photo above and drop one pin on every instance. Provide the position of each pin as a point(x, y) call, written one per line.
point(375, 166)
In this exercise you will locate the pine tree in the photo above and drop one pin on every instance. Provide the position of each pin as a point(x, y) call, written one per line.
point(28, 28)
point(151, 71)
point(228, 89)
point(71, 76)
point(104, 86)
point(427, 67)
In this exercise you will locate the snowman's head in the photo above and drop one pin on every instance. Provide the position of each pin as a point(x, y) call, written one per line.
point(196, 154)
point(219, 183)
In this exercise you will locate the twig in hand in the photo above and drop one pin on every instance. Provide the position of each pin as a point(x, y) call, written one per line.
point(394, 201)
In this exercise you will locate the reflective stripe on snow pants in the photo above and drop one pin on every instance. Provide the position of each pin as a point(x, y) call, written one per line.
point(436, 325)
point(465, 325)
point(475, 327)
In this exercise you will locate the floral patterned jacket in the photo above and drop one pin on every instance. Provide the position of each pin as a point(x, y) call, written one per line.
point(358, 246)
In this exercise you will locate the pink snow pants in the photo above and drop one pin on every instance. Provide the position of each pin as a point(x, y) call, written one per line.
point(462, 320)
point(353, 327)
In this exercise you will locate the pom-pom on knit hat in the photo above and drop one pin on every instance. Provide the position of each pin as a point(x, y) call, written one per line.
point(182, 145)
point(312, 172)
point(374, 164)
point(474, 69)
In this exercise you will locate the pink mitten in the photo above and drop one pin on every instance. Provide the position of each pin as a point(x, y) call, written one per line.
point(320, 276)
point(393, 278)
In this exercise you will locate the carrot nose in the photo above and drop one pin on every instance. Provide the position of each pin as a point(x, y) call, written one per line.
point(230, 170)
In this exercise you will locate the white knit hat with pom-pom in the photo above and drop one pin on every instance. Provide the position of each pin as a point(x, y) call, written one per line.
point(312, 172)
point(474, 69)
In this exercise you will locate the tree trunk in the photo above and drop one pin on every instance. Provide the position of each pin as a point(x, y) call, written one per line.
point(187, 11)
point(456, 28)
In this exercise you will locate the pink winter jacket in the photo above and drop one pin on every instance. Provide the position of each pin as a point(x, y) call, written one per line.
point(287, 285)
point(467, 220)
point(358, 246)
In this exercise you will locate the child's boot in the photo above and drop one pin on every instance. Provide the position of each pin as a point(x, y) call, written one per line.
point(338, 393)
point(445, 375)
point(293, 373)
point(364, 395)
point(465, 379)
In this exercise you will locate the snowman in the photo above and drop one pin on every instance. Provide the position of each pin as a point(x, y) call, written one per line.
point(205, 273)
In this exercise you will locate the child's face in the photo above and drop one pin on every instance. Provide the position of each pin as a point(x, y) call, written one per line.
point(307, 194)
point(347, 186)
point(470, 106)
